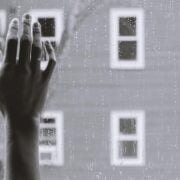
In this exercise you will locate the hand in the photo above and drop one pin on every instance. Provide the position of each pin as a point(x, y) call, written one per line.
point(23, 89)
point(23, 85)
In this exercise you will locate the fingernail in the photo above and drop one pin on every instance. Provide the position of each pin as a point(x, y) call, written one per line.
point(37, 34)
point(13, 28)
point(15, 21)
point(36, 28)
point(26, 24)
point(36, 24)
point(27, 17)
point(47, 42)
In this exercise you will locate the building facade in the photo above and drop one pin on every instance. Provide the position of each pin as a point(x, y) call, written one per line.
point(112, 110)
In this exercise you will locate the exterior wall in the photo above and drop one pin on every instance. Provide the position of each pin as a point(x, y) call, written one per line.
point(86, 89)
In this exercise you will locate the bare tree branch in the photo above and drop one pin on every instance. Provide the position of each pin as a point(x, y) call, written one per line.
point(80, 11)
point(88, 10)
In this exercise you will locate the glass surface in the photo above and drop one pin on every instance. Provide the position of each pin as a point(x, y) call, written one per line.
point(47, 26)
point(128, 149)
point(127, 50)
point(47, 120)
point(127, 125)
point(127, 26)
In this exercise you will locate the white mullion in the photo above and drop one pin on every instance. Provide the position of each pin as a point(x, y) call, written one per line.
point(49, 125)
point(141, 137)
point(127, 138)
point(2, 22)
point(127, 38)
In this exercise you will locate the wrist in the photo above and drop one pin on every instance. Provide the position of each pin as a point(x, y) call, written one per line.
point(23, 123)
point(22, 144)
point(23, 133)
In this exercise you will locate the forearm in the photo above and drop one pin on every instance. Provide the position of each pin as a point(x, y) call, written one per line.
point(22, 160)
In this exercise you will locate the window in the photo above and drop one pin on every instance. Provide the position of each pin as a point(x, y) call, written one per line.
point(51, 21)
point(51, 138)
point(127, 38)
point(127, 138)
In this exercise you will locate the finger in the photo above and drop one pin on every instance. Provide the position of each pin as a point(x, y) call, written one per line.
point(52, 61)
point(1, 48)
point(1, 55)
point(26, 41)
point(12, 42)
point(36, 47)
point(45, 54)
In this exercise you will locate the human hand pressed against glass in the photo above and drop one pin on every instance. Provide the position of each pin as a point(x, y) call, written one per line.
point(23, 89)
point(23, 85)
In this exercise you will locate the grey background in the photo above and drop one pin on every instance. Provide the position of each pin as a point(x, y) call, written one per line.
point(86, 89)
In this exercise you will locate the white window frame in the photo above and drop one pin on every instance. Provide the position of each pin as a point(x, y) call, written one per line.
point(115, 14)
point(57, 151)
point(2, 22)
point(116, 137)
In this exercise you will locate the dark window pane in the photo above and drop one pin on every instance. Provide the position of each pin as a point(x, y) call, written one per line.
point(127, 50)
point(47, 26)
point(48, 132)
point(128, 149)
point(128, 126)
point(127, 26)
point(47, 120)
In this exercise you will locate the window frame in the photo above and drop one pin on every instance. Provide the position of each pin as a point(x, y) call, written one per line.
point(58, 149)
point(115, 38)
point(3, 20)
point(116, 137)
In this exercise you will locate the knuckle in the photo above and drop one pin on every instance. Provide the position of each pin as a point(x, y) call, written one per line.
point(25, 70)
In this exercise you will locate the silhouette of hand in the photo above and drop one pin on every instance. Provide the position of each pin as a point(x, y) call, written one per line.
point(23, 85)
